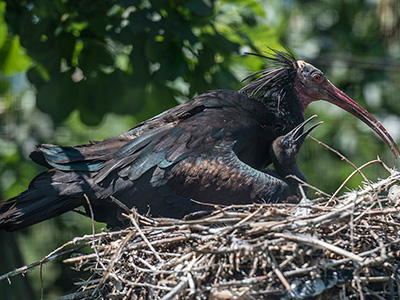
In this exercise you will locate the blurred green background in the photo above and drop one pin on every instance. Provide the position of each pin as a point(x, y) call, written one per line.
point(73, 71)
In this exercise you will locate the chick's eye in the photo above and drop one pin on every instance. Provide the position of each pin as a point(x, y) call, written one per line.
point(317, 78)
point(285, 144)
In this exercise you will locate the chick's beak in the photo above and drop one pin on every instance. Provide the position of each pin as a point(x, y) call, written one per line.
point(297, 134)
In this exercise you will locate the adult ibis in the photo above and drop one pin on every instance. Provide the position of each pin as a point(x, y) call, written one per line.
point(212, 149)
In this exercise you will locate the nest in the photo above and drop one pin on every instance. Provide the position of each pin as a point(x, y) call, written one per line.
point(334, 247)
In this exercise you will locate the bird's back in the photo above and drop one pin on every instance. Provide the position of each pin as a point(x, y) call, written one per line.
point(154, 165)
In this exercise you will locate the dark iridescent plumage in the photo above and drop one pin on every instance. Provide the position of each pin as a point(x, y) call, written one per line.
point(211, 149)
point(207, 149)
point(284, 151)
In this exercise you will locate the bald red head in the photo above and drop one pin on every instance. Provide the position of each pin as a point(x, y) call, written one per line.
point(311, 84)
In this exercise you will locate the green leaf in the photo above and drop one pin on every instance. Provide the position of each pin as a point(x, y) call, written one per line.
point(58, 96)
point(38, 75)
point(3, 25)
point(15, 59)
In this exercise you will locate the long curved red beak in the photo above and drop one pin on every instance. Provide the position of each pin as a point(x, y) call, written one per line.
point(337, 97)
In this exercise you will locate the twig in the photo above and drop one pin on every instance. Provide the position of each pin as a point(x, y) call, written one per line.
point(93, 239)
point(358, 282)
point(94, 232)
point(134, 223)
point(115, 258)
point(275, 268)
point(76, 295)
point(308, 185)
point(48, 258)
point(345, 159)
point(177, 289)
point(120, 204)
point(319, 243)
point(351, 176)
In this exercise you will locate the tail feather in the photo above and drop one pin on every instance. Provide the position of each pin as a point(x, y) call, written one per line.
point(32, 207)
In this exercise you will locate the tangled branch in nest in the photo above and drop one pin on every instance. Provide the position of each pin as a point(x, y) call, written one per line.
point(349, 249)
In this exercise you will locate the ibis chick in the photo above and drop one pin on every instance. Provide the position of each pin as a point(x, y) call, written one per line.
point(284, 151)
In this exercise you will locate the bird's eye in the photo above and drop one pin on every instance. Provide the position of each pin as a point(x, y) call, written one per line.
point(317, 78)
point(286, 144)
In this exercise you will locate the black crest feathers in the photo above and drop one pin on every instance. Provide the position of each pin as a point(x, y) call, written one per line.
point(277, 76)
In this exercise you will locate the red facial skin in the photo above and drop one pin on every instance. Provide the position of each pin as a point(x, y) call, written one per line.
point(311, 85)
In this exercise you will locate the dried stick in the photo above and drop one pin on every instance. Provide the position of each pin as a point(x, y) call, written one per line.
point(278, 272)
point(177, 289)
point(53, 255)
point(114, 259)
point(358, 282)
point(313, 241)
point(395, 176)
point(120, 204)
point(308, 185)
point(135, 224)
point(94, 232)
point(349, 177)
point(343, 158)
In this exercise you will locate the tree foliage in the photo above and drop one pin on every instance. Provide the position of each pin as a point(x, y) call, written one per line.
point(114, 63)
point(121, 56)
